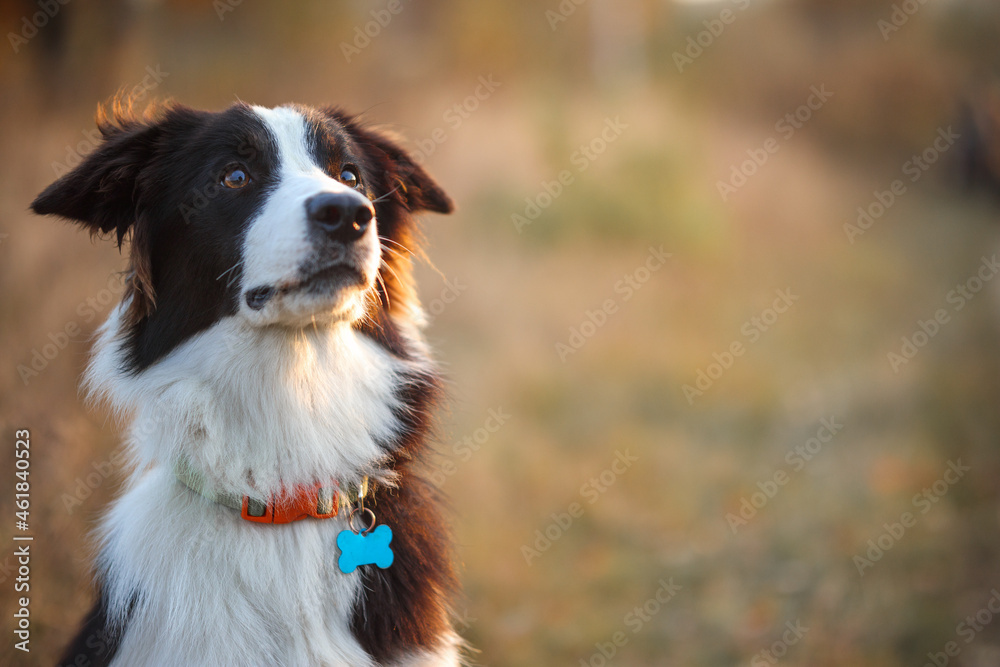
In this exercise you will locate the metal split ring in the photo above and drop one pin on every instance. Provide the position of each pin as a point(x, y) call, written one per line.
point(363, 511)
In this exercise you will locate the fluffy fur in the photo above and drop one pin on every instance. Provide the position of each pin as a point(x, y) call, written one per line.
point(269, 351)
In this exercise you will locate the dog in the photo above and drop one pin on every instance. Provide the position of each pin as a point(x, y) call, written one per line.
point(268, 359)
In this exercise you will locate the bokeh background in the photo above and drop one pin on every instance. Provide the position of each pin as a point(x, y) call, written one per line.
point(504, 292)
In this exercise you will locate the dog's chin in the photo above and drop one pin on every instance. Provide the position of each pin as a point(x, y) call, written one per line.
point(333, 294)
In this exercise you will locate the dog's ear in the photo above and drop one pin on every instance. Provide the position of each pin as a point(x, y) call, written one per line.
point(417, 190)
point(101, 193)
point(420, 191)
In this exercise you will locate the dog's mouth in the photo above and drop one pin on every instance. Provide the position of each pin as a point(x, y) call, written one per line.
point(327, 280)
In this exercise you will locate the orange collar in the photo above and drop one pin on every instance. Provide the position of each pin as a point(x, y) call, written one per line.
point(318, 500)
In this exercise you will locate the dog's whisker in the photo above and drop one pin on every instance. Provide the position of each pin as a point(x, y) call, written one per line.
point(395, 252)
point(378, 199)
point(392, 271)
point(385, 290)
point(385, 287)
point(231, 268)
point(395, 242)
point(418, 255)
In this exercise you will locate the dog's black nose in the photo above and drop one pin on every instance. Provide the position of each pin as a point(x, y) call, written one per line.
point(343, 216)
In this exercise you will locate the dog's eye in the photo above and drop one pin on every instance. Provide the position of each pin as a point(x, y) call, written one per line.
point(236, 178)
point(349, 177)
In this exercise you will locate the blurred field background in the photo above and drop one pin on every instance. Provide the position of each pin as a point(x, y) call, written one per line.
point(519, 293)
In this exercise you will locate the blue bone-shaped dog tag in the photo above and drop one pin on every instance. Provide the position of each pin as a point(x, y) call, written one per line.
point(360, 549)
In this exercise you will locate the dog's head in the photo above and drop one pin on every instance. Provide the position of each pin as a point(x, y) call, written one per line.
point(281, 217)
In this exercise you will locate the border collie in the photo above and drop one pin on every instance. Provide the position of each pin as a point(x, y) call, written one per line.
point(267, 356)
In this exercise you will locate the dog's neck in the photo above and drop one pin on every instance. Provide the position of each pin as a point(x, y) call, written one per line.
point(255, 409)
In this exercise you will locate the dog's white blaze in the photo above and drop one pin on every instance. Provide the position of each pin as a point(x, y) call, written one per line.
point(254, 408)
point(288, 127)
point(277, 240)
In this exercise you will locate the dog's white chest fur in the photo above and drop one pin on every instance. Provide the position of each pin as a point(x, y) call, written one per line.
point(253, 410)
point(221, 591)
point(257, 408)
